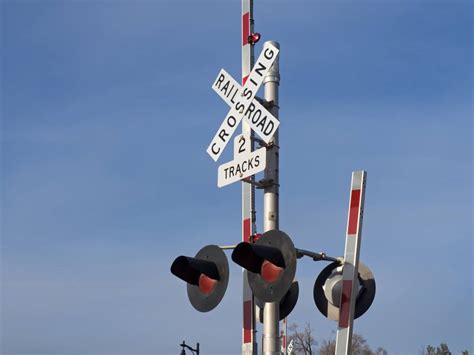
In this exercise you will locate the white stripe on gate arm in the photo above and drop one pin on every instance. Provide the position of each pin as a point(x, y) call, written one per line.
point(243, 101)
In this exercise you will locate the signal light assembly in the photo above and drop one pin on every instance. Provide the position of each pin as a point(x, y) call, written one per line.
point(328, 291)
point(206, 275)
point(271, 266)
point(286, 305)
point(271, 262)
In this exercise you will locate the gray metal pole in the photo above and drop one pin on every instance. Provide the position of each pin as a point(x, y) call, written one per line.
point(271, 336)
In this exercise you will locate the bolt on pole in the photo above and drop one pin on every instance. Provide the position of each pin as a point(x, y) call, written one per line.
point(271, 336)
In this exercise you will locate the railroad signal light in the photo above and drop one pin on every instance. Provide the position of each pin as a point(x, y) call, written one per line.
point(206, 275)
point(270, 272)
point(254, 38)
point(328, 290)
point(271, 262)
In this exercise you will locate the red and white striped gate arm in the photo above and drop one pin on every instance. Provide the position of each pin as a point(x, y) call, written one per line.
point(351, 263)
point(249, 346)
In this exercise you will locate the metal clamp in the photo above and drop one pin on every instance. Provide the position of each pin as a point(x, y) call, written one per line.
point(265, 103)
point(262, 184)
point(261, 142)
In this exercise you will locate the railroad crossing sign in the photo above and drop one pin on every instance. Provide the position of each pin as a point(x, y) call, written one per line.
point(243, 166)
point(243, 104)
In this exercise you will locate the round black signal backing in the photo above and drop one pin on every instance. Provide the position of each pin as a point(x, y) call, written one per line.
point(364, 298)
point(324, 306)
point(367, 294)
point(287, 303)
point(274, 291)
point(206, 302)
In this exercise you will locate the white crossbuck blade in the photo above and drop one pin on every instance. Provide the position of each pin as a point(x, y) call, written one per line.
point(243, 103)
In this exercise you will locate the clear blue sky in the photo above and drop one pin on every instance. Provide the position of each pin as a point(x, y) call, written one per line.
point(107, 111)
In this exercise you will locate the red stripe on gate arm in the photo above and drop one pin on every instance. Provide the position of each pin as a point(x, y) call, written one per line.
point(345, 303)
point(354, 212)
point(246, 230)
point(244, 79)
point(247, 321)
point(245, 28)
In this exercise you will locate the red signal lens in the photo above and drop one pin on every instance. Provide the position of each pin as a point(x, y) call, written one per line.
point(254, 38)
point(206, 284)
point(270, 272)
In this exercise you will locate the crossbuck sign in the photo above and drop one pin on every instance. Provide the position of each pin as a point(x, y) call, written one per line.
point(243, 104)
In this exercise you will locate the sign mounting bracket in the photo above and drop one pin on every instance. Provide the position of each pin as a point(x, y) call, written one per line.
point(262, 184)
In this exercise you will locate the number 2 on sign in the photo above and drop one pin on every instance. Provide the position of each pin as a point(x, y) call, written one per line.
point(241, 144)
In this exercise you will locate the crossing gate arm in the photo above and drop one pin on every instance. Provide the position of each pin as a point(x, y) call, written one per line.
point(351, 263)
